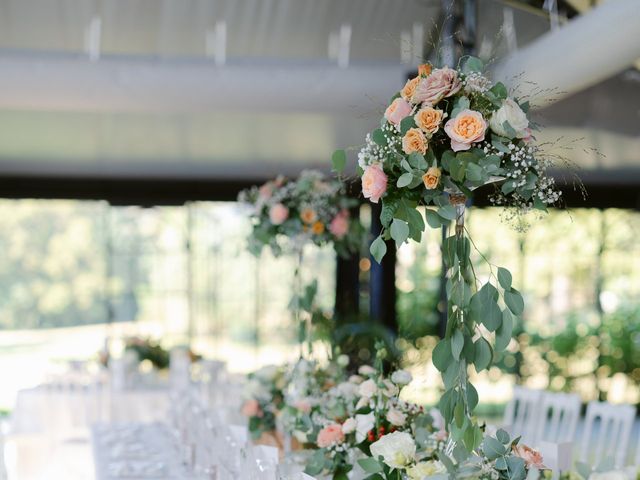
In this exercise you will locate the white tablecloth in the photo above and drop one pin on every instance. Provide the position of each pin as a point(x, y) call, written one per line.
point(135, 450)
point(58, 411)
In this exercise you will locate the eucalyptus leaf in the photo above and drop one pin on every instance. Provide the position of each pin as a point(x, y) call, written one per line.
point(483, 354)
point(407, 124)
point(339, 160)
point(378, 249)
point(370, 465)
point(514, 301)
point(448, 212)
point(399, 231)
point(441, 355)
point(433, 219)
point(472, 396)
point(504, 278)
point(404, 180)
point(457, 342)
point(416, 160)
point(503, 437)
point(492, 448)
point(505, 331)
point(378, 137)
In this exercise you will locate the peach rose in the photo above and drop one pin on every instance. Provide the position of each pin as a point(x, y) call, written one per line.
point(339, 226)
point(414, 141)
point(424, 70)
point(398, 110)
point(317, 228)
point(409, 88)
point(429, 119)
point(330, 435)
point(303, 405)
point(442, 83)
point(466, 128)
point(308, 215)
point(266, 191)
point(431, 178)
point(251, 408)
point(374, 183)
point(278, 214)
point(531, 457)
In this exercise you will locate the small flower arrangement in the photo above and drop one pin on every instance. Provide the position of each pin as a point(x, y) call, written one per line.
point(264, 398)
point(452, 130)
point(147, 349)
point(310, 209)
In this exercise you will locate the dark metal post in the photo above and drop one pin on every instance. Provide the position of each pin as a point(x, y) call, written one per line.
point(382, 283)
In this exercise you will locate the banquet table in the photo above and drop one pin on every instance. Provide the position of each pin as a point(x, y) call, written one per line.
point(136, 450)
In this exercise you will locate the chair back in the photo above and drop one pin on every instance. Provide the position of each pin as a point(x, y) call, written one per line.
point(522, 412)
point(607, 430)
point(558, 418)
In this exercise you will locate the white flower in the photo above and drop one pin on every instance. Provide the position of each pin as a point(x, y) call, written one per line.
point(390, 390)
point(367, 370)
point(346, 389)
point(343, 360)
point(425, 469)
point(368, 388)
point(255, 389)
point(364, 423)
point(401, 377)
point(396, 417)
point(349, 426)
point(438, 419)
point(267, 373)
point(510, 112)
point(357, 379)
point(397, 449)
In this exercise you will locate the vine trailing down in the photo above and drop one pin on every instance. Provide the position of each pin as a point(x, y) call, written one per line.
point(288, 214)
point(445, 134)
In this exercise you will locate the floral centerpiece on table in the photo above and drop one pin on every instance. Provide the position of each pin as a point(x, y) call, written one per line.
point(147, 349)
point(445, 134)
point(310, 209)
point(264, 398)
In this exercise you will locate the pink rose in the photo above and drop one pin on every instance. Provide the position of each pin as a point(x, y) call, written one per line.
point(465, 128)
point(442, 83)
point(374, 183)
point(251, 408)
point(265, 191)
point(528, 135)
point(278, 214)
point(531, 457)
point(398, 110)
point(339, 226)
point(303, 405)
point(330, 435)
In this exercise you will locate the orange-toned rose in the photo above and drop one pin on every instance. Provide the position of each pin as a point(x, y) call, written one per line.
point(414, 141)
point(424, 69)
point(429, 119)
point(531, 457)
point(317, 228)
point(409, 88)
point(466, 128)
point(431, 178)
point(308, 215)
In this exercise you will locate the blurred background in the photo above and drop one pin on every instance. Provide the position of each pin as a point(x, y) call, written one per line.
point(127, 128)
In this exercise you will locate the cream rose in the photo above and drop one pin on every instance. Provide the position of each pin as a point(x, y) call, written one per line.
point(414, 141)
point(510, 112)
point(429, 119)
point(374, 183)
point(368, 388)
point(396, 417)
point(465, 128)
point(397, 449)
point(398, 110)
point(425, 469)
point(441, 83)
point(366, 370)
point(401, 377)
point(431, 178)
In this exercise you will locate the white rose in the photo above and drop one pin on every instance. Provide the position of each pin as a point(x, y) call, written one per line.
point(357, 379)
point(397, 449)
point(510, 112)
point(367, 370)
point(401, 377)
point(343, 360)
point(438, 419)
point(364, 423)
point(425, 469)
point(255, 389)
point(349, 426)
point(390, 390)
point(367, 388)
point(347, 390)
point(267, 373)
point(396, 417)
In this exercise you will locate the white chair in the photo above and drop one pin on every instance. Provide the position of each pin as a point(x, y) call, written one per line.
point(608, 438)
point(522, 412)
point(557, 418)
